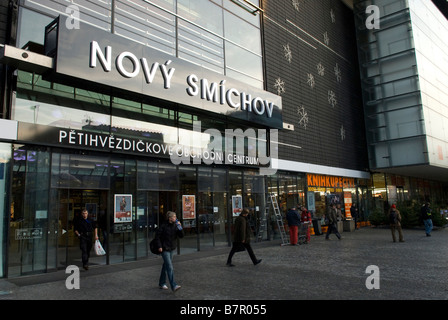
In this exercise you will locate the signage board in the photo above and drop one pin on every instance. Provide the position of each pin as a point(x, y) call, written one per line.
point(96, 56)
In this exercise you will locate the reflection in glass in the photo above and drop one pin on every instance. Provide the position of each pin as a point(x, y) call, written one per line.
point(58, 116)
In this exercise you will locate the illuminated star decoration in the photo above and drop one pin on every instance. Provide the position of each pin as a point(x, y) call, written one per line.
point(338, 73)
point(342, 133)
point(303, 116)
point(320, 69)
point(279, 86)
point(333, 16)
point(288, 53)
point(326, 38)
point(296, 4)
point(310, 80)
point(332, 98)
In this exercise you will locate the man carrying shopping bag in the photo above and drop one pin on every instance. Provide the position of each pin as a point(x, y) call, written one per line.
point(84, 229)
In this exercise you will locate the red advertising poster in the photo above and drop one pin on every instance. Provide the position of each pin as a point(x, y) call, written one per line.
point(188, 207)
point(348, 204)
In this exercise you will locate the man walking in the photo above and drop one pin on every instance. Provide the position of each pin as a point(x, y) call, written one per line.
point(427, 218)
point(167, 235)
point(84, 229)
point(241, 238)
point(395, 223)
point(332, 223)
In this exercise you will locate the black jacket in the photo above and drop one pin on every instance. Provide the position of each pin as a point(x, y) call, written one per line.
point(166, 236)
point(293, 218)
point(241, 230)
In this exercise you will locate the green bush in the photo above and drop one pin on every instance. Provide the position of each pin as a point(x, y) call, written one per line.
point(410, 216)
point(377, 217)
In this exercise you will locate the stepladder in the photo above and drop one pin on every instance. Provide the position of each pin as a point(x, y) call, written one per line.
point(271, 202)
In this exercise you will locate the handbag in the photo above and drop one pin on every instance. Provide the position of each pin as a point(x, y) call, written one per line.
point(99, 248)
point(238, 246)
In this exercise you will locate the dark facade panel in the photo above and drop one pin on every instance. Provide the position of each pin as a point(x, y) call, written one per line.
point(3, 20)
point(322, 95)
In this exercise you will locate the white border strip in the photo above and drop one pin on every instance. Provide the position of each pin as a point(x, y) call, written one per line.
point(317, 169)
point(8, 129)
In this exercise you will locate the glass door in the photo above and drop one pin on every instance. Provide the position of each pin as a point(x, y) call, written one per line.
point(68, 205)
point(29, 226)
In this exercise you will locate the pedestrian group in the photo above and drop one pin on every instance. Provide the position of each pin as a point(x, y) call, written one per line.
point(171, 230)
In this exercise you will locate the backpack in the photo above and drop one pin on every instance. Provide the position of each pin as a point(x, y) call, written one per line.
point(153, 247)
point(393, 217)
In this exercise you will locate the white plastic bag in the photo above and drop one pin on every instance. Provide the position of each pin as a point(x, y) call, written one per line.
point(99, 248)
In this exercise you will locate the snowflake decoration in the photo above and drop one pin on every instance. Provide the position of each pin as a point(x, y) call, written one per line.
point(279, 86)
point(320, 69)
point(342, 133)
point(87, 120)
point(310, 80)
point(333, 16)
point(296, 4)
point(326, 38)
point(288, 53)
point(338, 73)
point(303, 116)
point(332, 98)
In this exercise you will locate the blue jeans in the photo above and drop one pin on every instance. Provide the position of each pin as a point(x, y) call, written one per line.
point(428, 225)
point(167, 269)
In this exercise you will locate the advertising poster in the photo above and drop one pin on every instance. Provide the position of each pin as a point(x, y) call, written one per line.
point(348, 204)
point(237, 205)
point(311, 201)
point(188, 207)
point(123, 208)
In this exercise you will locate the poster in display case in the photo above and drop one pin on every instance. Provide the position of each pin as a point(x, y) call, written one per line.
point(188, 207)
point(123, 208)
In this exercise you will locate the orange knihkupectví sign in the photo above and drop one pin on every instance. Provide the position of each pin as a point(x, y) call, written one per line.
point(317, 180)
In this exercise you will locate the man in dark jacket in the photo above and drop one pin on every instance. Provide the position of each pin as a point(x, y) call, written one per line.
point(84, 229)
point(241, 238)
point(166, 237)
point(426, 215)
point(293, 223)
point(332, 223)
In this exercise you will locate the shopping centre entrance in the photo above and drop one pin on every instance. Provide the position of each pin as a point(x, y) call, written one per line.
point(69, 205)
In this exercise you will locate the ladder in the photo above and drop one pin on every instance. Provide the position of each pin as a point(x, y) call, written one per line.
point(271, 200)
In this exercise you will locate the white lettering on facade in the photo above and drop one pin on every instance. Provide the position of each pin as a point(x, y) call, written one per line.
point(211, 91)
point(219, 93)
point(138, 65)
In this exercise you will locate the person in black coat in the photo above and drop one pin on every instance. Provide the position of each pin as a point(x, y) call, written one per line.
point(85, 228)
point(241, 238)
point(166, 239)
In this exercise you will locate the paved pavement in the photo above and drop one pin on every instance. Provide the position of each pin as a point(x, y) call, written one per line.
point(335, 270)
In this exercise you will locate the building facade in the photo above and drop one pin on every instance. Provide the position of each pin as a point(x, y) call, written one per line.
point(132, 108)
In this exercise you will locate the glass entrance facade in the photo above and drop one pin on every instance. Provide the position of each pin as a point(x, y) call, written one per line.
point(51, 186)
